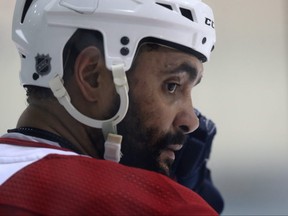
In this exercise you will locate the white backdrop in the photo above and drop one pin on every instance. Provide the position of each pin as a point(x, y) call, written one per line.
point(244, 91)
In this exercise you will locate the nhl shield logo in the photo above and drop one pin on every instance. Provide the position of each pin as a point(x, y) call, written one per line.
point(43, 64)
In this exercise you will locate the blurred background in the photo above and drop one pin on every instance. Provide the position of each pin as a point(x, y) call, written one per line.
point(244, 91)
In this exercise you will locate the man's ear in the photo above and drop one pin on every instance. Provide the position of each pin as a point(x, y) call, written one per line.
point(87, 72)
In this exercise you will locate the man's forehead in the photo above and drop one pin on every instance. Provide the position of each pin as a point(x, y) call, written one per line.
point(169, 60)
point(178, 61)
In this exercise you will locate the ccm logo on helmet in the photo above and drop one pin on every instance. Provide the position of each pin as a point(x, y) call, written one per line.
point(209, 22)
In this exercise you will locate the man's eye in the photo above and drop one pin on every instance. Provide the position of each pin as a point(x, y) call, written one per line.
point(171, 87)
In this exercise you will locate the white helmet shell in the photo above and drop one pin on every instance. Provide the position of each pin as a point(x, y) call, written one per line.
point(41, 29)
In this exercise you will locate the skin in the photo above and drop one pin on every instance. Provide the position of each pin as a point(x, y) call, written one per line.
point(160, 110)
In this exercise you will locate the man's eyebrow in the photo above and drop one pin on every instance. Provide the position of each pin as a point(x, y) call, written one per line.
point(190, 69)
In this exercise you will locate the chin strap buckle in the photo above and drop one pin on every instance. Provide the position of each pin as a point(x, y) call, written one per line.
point(113, 147)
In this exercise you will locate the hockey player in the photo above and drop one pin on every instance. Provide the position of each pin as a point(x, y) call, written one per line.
point(105, 79)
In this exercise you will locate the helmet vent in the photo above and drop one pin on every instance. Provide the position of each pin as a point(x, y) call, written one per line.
point(22, 56)
point(25, 9)
point(165, 5)
point(187, 13)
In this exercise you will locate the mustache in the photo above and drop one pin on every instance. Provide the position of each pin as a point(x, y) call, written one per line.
point(171, 138)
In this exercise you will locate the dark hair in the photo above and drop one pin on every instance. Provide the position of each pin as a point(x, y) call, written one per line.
point(81, 39)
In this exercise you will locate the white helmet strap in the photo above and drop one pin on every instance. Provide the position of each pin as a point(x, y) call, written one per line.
point(113, 141)
point(108, 126)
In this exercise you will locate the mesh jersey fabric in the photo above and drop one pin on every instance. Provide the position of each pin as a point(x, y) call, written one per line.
point(77, 185)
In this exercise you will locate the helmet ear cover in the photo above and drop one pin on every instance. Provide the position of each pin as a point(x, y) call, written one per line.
point(70, 52)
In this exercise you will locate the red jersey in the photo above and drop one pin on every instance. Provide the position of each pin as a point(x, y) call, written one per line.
point(65, 183)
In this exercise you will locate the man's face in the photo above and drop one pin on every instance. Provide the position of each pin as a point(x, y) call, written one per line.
point(160, 109)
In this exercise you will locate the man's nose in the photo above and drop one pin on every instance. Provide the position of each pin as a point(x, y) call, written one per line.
point(186, 119)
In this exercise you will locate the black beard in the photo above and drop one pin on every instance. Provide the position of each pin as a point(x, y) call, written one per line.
point(141, 146)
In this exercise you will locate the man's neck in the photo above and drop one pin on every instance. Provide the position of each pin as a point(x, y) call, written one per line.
point(52, 117)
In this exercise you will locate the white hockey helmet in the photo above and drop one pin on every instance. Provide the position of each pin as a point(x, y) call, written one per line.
point(41, 29)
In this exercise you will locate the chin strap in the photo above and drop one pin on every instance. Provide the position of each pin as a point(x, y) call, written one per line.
point(113, 141)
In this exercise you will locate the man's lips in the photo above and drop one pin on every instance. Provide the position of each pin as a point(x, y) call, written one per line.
point(169, 152)
point(174, 147)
